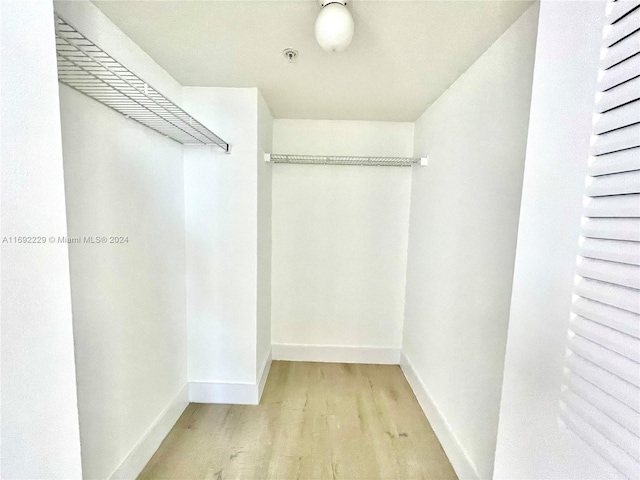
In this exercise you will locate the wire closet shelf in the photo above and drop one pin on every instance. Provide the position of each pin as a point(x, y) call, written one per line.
point(346, 160)
point(85, 67)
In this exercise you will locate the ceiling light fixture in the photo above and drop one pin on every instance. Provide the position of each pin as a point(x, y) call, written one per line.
point(334, 26)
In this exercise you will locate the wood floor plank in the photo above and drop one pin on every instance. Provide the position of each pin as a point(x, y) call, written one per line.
point(315, 421)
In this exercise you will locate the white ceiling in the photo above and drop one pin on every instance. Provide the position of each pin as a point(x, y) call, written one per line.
point(403, 56)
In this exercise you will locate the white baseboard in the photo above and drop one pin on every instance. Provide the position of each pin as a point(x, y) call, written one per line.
point(239, 393)
point(460, 461)
point(335, 353)
point(263, 374)
point(142, 451)
point(219, 392)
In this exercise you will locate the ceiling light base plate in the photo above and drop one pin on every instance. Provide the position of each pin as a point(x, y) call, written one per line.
point(324, 3)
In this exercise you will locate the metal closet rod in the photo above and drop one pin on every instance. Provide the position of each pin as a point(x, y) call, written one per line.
point(346, 160)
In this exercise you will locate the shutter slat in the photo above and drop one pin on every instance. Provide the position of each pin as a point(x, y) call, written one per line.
point(617, 10)
point(621, 320)
point(621, 139)
point(613, 206)
point(612, 228)
point(620, 73)
point(622, 437)
point(601, 395)
point(614, 408)
point(621, 460)
point(607, 337)
point(615, 363)
point(614, 295)
point(622, 28)
point(622, 94)
point(627, 48)
point(617, 118)
point(615, 184)
point(610, 272)
point(617, 162)
point(616, 386)
point(612, 250)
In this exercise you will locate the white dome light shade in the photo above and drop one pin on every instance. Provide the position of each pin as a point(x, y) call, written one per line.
point(334, 27)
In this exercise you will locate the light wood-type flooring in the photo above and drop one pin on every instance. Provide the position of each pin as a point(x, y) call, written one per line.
point(315, 421)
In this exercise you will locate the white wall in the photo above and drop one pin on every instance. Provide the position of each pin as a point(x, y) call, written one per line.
point(129, 307)
point(265, 134)
point(462, 240)
point(39, 416)
point(562, 106)
point(221, 214)
point(339, 242)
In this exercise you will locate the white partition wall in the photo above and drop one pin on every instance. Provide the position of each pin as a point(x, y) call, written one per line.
point(462, 241)
point(226, 233)
point(263, 301)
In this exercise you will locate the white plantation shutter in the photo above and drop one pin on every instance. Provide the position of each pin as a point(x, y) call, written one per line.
point(601, 395)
